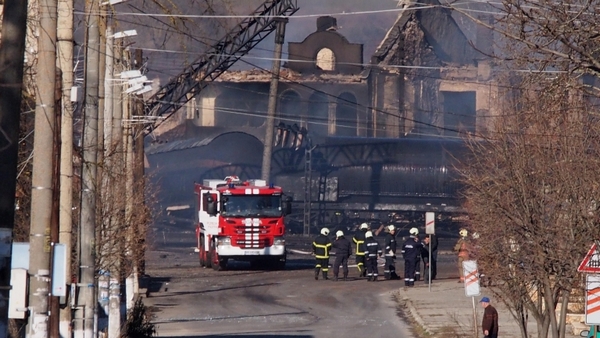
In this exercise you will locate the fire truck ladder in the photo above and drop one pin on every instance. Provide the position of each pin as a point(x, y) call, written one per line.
point(237, 43)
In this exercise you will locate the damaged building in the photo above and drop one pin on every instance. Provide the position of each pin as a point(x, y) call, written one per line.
point(383, 134)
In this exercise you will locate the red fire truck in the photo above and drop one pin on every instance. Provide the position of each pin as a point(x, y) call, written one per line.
point(240, 220)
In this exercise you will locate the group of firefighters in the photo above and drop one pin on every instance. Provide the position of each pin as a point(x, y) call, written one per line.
point(367, 251)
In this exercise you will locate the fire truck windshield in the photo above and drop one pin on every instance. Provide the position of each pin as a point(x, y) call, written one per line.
point(251, 206)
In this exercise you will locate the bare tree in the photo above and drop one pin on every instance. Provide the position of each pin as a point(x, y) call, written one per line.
point(532, 196)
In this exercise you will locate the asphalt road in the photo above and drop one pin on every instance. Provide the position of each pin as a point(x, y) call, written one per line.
point(189, 301)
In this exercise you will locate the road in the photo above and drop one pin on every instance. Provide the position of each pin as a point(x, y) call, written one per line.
point(189, 301)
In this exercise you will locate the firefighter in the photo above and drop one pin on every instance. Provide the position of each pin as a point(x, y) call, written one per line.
point(321, 247)
point(462, 248)
point(389, 271)
point(359, 241)
point(372, 250)
point(415, 232)
point(343, 250)
point(411, 249)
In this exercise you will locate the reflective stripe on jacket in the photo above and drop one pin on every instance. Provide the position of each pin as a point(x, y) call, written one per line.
point(372, 248)
point(321, 247)
point(390, 245)
point(359, 240)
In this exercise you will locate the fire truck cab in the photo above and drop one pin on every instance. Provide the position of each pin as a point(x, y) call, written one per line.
point(240, 220)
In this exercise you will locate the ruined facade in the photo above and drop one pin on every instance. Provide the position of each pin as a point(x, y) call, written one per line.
point(442, 84)
point(424, 79)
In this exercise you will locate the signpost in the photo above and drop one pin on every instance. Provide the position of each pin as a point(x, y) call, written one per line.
point(591, 261)
point(429, 230)
point(472, 286)
point(592, 300)
point(591, 264)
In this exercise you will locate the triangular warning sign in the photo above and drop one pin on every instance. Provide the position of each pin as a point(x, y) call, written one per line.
point(591, 261)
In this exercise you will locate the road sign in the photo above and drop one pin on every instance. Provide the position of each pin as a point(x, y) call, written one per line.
point(471, 278)
point(591, 261)
point(430, 223)
point(592, 300)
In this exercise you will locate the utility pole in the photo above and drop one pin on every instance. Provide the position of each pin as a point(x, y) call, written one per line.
point(84, 323)
point(12, 51)
point(65, 64)
point(138, 157)
point(272, 108)
point(43, 159)
point(128, 146)
point(114, 300)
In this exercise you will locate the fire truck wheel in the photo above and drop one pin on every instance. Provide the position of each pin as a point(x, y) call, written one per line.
point(202, 261)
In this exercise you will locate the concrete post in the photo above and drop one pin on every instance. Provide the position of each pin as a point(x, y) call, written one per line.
point(272, 108)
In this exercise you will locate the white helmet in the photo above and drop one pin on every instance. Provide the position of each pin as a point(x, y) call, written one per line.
point(414, 231)
point(368, 234)
point(363, 226)
point(463, 233)
point(391, 228)
point(324, 231)
point(475, 235)
point(339, 233)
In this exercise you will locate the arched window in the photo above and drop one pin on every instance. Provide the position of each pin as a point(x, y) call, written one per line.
point(326, 59)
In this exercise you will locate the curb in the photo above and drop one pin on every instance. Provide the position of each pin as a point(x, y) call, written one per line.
point(415, 316)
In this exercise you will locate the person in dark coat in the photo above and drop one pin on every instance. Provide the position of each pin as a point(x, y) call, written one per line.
point(359, 241)
point(343, 250)
point(321, 247)
point(489, 322)
point(434, 253)
point(425, 258)
point(389, 271)
point(371, 253)
point(411, 250)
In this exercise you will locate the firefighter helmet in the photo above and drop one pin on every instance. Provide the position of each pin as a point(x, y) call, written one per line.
point(339, 233)
point(414, 231)
point(363, 226)
point(391, 228)
point(463, 232)
point(368, 234)
point(324, 231)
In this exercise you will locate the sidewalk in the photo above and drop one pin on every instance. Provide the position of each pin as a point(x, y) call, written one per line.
point(447, 312)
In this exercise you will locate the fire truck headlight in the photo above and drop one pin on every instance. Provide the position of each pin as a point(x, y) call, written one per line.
point(279, 241)
point(224, 241)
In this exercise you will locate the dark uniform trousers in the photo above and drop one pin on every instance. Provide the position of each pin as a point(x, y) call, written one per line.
point(389, 271)
point(343, 260)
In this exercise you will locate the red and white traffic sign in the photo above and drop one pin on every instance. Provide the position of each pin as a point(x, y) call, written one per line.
point(471, 278)
point(591, 261)
point(592, 300)
point(430, 223)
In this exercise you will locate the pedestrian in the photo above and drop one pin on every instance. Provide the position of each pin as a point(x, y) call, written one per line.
point(462, 248)
point(343, 250)
point(372, 252)
point(411, 249)
point(425, 258)
point(418, 260)
point(321, 247)
point(489, 322)
point(434, 253)
point(359, 241)
point(389, 271)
